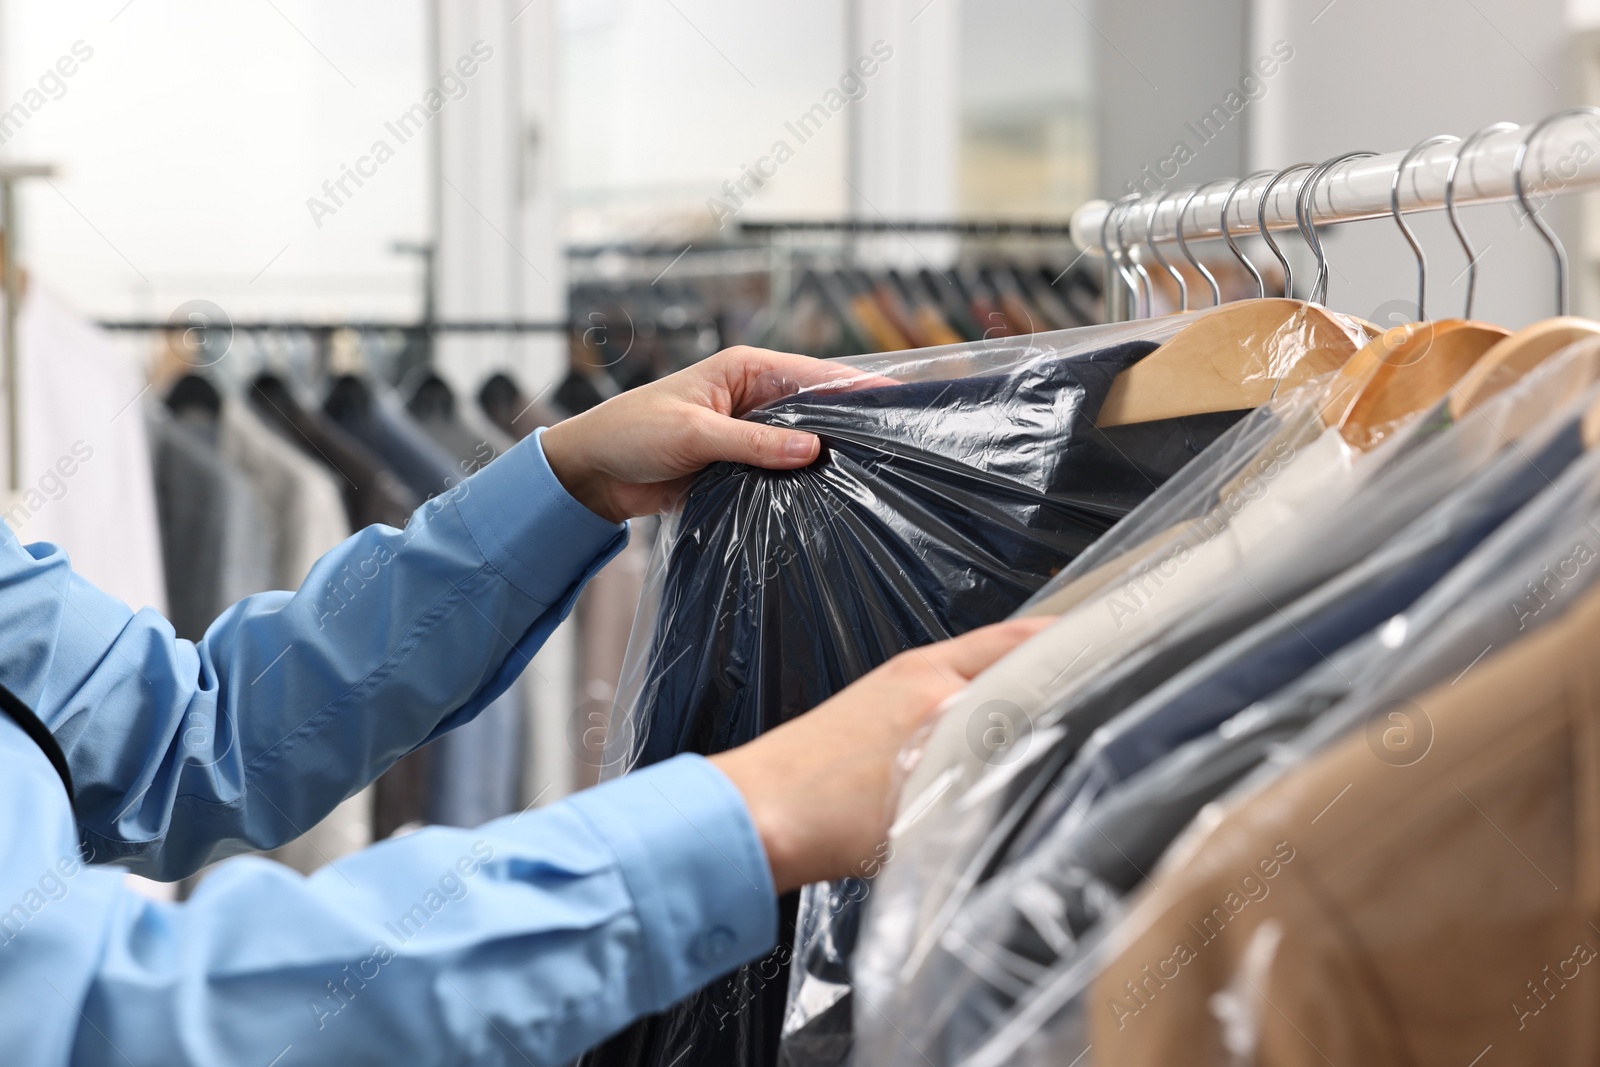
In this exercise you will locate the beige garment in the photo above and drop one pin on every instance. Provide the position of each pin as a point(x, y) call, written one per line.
point(605, 612)
point(301, 498)
point(1360, 913)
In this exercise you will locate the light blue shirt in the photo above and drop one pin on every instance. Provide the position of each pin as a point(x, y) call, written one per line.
point(525, 940)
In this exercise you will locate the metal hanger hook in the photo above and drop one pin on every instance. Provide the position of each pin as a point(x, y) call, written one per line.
point(1227, 202)
point(1114, 257)
point(1183, 246)
point(1261, 222)
point(1305, 208)
point(1400, 221)
point(1450, 204)
point(1539, 224)
point(1150, 242)
point(1145, 288)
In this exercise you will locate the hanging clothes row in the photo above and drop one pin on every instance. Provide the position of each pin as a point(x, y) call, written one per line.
point(1298, 775)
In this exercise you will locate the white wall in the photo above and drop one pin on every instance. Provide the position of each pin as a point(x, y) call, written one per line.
point(500, 250)
point(1159, 67)
point(1364, 74)
point(1374, 74)
point(1583, 14)
point(191, 140)
point(908, 125)
point(664, 102)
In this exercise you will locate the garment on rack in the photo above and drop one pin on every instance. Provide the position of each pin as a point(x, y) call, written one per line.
point(371, 491)
point(1192, 534)
point(1062, 308)
point(433, 404)
point(301, 498)
point(212, 526)
point(375, 417)
point(1289, 641)
point(1087, 845)
point(1027, 938)
point(1410, 873)
point(926, 320)
point(508, 408)
point(85, 465)
point(605, 612)
point(937, 506)
point(584, 388)
point(978, 824)
point(951, 303)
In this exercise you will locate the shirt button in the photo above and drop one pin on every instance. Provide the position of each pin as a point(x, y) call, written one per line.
point(711, 947)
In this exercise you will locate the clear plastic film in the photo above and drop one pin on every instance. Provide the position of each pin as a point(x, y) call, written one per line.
point(818, 1026)
point(953, 483)
point(1440, 884)
point(1020, 994)
point(1070, 886)
point(1120, 593)
point(924, 963)
point(996, 359)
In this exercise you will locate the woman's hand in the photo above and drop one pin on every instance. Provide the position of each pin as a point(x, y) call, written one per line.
point(819, 786)
point(636, 452)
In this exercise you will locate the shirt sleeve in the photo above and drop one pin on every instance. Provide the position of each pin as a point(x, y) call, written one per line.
point(525, 940)
point(183, 753)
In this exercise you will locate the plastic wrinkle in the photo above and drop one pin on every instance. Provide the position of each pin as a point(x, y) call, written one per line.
point(1010, 977)
point(953, 484)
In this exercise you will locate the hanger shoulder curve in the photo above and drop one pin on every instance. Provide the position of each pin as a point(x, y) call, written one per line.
point(1515, 356)
point(1228, 361)
point(1589, 428)
point(1405, 372)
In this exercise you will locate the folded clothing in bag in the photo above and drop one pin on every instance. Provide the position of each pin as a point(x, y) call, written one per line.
point(935, 507)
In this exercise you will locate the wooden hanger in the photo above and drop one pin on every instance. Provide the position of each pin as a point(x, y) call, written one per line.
point(1229, 361)
point(1590, 427)
point(1404, 371)
point(1515, 356)
point(1407, 370)
point(1239, 355)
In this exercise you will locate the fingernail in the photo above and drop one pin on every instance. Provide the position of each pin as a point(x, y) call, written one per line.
point(800, 446)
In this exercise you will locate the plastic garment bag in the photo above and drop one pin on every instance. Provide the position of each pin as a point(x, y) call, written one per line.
point(983, 809)
point(1137, 784)
point(1179, 544)
point(1462, 847)
point(952, 485)
point(818, 1027)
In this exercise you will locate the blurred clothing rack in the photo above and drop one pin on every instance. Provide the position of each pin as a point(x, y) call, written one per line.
point(793, 249)
point(374, 326)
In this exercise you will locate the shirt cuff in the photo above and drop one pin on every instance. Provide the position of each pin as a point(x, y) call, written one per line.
point(529, 528)
point(694, 866)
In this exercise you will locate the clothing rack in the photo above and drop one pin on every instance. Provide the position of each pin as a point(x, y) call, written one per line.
point(321, 329)
point(964, 227)
point(787, 245)
point(1559, 154)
